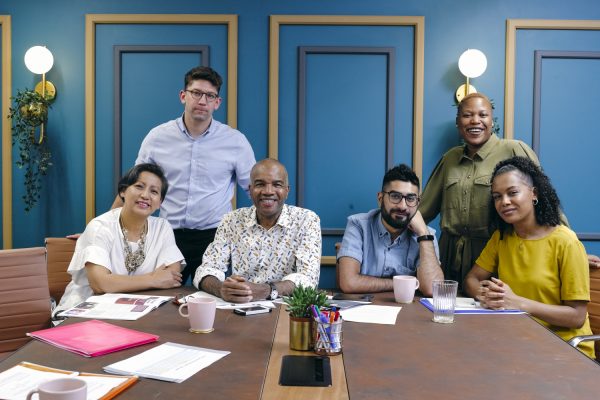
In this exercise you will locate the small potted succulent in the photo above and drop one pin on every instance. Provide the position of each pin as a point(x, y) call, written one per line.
point(299, 302)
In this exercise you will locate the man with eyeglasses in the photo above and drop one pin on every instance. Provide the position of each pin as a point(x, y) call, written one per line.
point(388, 241)
point(202, 159)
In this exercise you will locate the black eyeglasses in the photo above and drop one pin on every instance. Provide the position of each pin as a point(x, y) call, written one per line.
point(197, 95)
point(411, 198)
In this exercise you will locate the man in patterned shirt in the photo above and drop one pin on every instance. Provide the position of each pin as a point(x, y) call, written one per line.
point(270, 247)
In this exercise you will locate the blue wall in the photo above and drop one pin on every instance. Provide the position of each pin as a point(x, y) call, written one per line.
point(450, 28)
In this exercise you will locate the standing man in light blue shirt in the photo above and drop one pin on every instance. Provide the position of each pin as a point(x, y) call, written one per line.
point(391, 240)
point(202, 159)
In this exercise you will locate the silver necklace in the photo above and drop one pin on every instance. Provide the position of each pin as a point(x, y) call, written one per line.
point(133, 259)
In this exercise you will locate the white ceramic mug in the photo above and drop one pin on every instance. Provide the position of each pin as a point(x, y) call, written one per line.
point(61, 389)
point(404, 288)
point(201, 313)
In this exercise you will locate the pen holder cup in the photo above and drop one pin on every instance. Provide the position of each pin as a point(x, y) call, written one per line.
point(328, 337)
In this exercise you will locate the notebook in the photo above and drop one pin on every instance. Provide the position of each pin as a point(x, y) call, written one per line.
point(93, 338)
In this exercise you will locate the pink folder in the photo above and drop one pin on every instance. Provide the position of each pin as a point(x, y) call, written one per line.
point(93, 338)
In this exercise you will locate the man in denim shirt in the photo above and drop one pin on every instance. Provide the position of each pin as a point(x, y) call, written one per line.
point(391, 240)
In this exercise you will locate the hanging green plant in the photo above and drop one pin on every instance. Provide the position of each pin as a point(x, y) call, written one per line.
point(30, 112)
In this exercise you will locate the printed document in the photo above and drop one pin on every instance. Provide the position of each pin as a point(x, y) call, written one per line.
point(118, 306)
point(371, 314)
point(168, 362)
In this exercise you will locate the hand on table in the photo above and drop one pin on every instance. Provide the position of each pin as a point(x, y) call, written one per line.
point(594, 261)
point(165, 277)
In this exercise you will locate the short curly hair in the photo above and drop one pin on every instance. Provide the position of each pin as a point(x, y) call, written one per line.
point(547, 210)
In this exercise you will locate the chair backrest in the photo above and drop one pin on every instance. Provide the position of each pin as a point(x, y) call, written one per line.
point(59, 252)
point(594, 306)
point(24, 296)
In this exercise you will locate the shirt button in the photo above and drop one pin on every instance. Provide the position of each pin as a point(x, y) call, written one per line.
point(468, 176)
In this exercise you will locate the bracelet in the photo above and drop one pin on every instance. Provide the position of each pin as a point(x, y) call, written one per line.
point(425, 237)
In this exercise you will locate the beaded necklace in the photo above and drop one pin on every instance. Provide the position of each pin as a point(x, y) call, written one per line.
point(133, 259)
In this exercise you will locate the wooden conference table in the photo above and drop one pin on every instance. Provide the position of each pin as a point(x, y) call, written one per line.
point(478, 356)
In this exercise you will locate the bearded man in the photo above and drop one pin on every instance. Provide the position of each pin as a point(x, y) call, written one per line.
point(391, 240)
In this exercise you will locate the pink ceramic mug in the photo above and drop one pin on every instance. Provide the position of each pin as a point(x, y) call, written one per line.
point(61, 389)
point(404, 288)
point(201, 313)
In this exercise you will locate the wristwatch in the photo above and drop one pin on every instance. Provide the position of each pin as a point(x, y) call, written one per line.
point(274, 293)
point(424, 237)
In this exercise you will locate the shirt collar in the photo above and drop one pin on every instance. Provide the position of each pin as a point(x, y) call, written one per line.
point(284, 218)
point(485, 150)
point(183, 129)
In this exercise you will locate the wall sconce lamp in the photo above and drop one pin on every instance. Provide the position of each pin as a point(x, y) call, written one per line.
point(472, 63)
point(39, 60)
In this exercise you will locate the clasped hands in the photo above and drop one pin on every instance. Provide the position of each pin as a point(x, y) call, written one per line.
point(237, 290)
point(497, 295)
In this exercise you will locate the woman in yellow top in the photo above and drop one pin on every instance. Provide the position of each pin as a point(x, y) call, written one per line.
point(542, 267)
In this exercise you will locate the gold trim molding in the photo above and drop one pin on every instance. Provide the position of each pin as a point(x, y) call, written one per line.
point(417, 22)
point(512, 25)
point(6, 134)
point(91, 20)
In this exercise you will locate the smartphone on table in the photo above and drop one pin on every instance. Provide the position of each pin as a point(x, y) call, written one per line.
point(252, 310)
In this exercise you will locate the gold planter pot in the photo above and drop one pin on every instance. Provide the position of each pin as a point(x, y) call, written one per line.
point(301, 334)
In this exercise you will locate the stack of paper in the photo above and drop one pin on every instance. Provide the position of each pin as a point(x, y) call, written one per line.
point(93, 338)
point(168, 362)
point(372, 314)
point(468, 305)
point(18, 381)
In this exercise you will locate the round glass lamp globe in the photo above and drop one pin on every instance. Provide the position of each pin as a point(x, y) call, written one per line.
point(472, 63)
point(39, 60)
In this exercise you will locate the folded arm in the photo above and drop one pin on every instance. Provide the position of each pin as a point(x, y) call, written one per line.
point(103, 281)
point(352, 281)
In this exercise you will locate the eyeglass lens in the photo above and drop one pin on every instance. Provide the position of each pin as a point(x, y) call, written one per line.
point(395, 197)
point(197, 95)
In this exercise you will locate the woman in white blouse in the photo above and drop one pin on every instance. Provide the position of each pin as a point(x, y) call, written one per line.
point(126, 249)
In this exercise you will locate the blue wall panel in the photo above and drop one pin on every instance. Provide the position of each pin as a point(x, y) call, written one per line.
point(346, 117)
point(569, 104)
point(527, 42)
point(566, 145)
